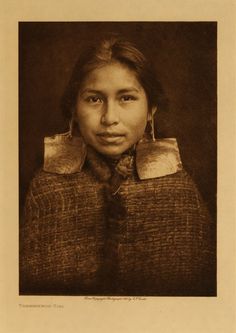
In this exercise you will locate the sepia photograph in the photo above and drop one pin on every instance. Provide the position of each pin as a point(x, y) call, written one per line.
point(117, 158)
point(117, 136)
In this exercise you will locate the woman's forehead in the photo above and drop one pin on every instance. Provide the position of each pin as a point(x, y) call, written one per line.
point(112, 76)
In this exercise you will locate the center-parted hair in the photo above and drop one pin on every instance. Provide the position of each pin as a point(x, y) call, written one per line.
point(113, 48)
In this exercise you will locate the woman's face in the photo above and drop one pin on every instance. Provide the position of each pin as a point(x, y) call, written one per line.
point(112, 109)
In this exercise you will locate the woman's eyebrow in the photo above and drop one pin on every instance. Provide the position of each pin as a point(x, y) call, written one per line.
point(120, 91)
point(128, 90)
point(91, 91)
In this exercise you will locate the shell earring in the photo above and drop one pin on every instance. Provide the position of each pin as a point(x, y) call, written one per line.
point(152, 128)
point(156, 157)
point(71, 125)
point(151, 124)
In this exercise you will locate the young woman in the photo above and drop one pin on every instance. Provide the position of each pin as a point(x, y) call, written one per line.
point(113, 212)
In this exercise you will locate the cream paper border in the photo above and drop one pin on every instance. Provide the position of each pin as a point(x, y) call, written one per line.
point(156, 314)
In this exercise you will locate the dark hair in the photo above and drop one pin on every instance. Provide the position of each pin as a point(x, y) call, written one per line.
point(111, 48)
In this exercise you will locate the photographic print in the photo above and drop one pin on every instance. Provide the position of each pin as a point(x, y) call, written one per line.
point(117, 152)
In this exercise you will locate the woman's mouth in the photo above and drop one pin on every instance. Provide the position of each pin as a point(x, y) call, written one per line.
point(111, 138)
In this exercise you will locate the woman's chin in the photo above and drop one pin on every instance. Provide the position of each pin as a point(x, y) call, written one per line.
point(111, 151)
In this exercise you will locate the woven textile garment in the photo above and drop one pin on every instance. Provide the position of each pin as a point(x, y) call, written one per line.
point(164, 245)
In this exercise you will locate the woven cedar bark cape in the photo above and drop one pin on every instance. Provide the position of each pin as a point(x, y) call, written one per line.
point(163, 245)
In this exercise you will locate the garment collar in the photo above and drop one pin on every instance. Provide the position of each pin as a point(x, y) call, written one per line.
point(66, 155)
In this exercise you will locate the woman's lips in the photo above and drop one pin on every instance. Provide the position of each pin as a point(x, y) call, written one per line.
point(111, 138)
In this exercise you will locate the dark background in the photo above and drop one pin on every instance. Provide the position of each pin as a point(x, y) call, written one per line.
point(185, 57)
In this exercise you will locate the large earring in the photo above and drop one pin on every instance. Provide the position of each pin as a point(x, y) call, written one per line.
point(71, 126)
point(157, 157)
point(151, 124)
point(152, 128)
point(69, 133)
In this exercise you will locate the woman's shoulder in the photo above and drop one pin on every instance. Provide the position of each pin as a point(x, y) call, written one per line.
point(178, 195)
point(44, 182)
point(50, 191)
point(179, 180)
point(178, 187)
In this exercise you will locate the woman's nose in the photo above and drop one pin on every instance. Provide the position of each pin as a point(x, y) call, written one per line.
point(111, 114)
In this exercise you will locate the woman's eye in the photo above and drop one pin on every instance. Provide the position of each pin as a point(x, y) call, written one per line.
point(128, 98)
point(94, 99)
